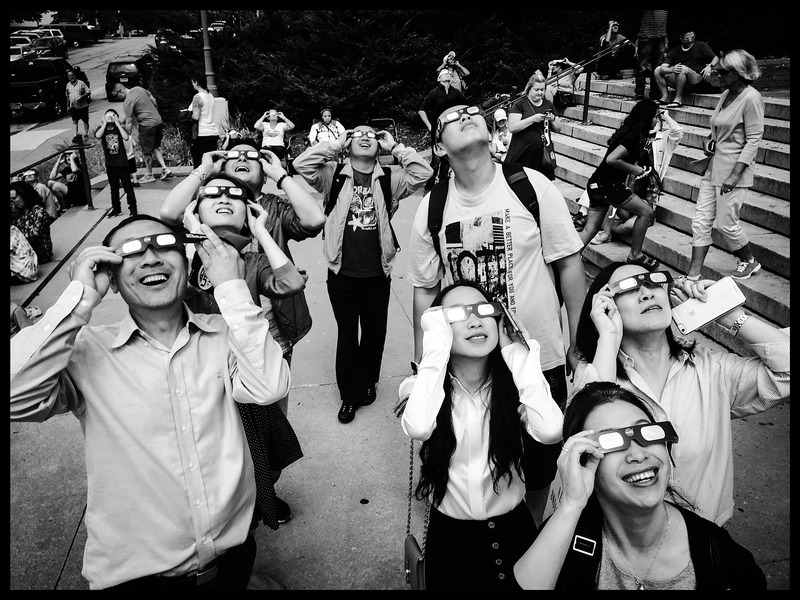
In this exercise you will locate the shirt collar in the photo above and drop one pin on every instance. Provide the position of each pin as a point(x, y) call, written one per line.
point(127, 327)
point(454, 380)
point(628, 362)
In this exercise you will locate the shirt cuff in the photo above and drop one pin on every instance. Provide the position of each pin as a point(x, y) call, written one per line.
point(231, 293)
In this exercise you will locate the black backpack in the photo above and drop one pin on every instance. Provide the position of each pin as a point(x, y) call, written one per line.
point(521, 186)
point(386, 185)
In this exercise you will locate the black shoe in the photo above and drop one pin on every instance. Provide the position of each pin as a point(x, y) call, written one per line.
point(114, 213)
point(369, 396)
point(283, 510)
point(347, 413)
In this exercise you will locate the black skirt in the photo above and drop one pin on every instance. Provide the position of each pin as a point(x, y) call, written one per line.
point(477, 555)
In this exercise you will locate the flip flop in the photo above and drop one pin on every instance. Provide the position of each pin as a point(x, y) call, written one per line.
point(675, 105)
point(661, 102)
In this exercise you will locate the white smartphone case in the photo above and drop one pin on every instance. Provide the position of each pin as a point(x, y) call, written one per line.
point(693, 314)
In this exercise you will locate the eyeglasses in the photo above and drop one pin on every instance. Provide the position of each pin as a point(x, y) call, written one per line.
point(454, 116)
point(139, 245)
point(656, 278)
point(645, 434)
point(253, 154)
point(215, 191)
point(454, 314)
point(369, 134)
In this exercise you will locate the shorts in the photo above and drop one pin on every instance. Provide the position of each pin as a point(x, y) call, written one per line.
point(608, 193)
point(692, 77)
point(132, 165)
point(279, 151)
point(150, 138)
point(79, 114)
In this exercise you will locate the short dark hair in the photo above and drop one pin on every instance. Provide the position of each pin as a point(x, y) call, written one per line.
point(112, 110)
point(133, 219)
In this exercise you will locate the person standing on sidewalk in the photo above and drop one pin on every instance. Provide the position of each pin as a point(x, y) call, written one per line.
point(139, 106)
point(296, 216)
point(112, 136)
point(171, 487)
point(202, 108)
point(360, 247)
point(78, 97)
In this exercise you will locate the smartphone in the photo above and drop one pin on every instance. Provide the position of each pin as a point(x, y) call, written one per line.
point(693, 314)
point(512, 328)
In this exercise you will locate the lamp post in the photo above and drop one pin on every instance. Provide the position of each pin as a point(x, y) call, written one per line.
point(212, 87)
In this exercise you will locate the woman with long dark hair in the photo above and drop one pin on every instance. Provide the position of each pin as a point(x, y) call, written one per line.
point(627, 154)
point(620, 525)
point(625, 335)
point(475, 393)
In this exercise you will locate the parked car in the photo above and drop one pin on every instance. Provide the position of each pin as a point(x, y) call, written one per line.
point(32, 33)
point(75, 34)
point(50, 46)
point(19, 40)
point(53, 32)
point(39, 84)
point(22, 51)
point(129, 69)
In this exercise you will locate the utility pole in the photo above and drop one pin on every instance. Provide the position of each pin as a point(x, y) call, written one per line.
point(212, 86)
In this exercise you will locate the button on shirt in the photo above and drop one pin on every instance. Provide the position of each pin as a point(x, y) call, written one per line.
point(470, 493)
point(170, 477)
point(702, 394)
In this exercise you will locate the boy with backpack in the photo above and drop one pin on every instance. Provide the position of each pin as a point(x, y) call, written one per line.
point(508, 228)
point(360, 198)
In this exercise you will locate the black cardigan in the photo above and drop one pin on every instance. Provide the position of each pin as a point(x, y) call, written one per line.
point(719, 562)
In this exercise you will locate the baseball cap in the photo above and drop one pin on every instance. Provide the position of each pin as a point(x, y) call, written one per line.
point(500, 115)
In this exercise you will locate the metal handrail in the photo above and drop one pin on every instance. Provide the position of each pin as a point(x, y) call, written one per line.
point(81, 148)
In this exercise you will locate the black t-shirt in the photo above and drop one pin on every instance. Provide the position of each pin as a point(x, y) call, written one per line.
point(636, 155)
point(76, 192)
point(114, 147)
point(438, 100)
point(361, 244)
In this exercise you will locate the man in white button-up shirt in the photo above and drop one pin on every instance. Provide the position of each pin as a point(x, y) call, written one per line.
point(170, 480)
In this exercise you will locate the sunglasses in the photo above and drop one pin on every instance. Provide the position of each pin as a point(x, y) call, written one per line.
point(455, 116)
point(654, 279)
point(160, 240)
point(645, 434)
point(369, 134)
point(454, 314)
point(215, 191)
point(722, 72)
point(252, 154)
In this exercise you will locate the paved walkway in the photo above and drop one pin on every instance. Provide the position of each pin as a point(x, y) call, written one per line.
point(349, 491)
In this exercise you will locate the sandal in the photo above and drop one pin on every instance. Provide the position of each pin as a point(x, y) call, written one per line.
point(644, 261)
point(579, 220)
point(674, 105)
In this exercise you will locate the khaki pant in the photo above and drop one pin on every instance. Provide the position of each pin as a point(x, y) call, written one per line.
point(724, 209)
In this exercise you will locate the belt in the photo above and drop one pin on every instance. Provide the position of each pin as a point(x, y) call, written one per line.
point(197, 577)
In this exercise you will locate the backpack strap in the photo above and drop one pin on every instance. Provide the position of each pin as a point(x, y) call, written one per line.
point(521, 186)
point(336, 187)
point(436, 213)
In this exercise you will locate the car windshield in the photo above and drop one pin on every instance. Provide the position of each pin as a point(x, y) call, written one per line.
point(45, 41)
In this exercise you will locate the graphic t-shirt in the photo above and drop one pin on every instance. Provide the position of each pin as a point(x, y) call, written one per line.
point(494, 240)
point(114, 147)
point(361, 245)
point(274, 136)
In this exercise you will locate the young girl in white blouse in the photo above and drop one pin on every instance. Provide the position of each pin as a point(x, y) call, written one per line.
point(474, 394)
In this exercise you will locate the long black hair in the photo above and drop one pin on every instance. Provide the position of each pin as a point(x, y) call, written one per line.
point(586, 335)
point(505, 426)
point(638, 123)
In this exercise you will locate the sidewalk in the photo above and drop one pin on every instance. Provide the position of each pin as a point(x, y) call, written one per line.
point(349, 492)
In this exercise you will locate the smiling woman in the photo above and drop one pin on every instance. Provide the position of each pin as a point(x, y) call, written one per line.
point(473, 378)
point(615, 469)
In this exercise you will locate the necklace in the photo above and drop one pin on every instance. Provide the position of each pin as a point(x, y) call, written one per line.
point(639, 583)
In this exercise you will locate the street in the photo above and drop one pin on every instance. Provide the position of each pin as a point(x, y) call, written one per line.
point(33, 139)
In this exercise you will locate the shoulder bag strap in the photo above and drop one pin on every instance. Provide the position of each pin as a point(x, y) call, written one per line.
point(410, 494)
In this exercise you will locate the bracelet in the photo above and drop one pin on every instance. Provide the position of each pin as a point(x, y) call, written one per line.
point(396, 144)
point(200, 174)
point(280, 180)
point(737, 324)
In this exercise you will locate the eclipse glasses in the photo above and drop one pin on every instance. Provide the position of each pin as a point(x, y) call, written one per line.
point(645, 434)
point(654, 279)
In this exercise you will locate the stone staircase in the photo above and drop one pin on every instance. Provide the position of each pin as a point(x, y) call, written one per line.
point(765, 214)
